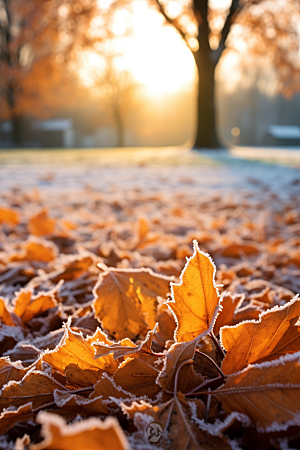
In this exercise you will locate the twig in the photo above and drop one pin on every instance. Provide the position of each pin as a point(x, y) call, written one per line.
point(213, 362)
point(190, 361)
point(207, 384)
point(217, 344)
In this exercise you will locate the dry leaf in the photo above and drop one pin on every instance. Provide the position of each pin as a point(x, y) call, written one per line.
point(35, 387)
point(269, 393)
point(92, 434)
point(41, 224)
point(275, 334)
point(27, 306)
point(8, 419)
point(195, 300)
point(132, 296)
point(226, 315)
point(137, 377)
point(9, 216)
point(74, 349)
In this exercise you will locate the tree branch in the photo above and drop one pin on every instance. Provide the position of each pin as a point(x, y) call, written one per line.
point(169, 20)
point(235, 8)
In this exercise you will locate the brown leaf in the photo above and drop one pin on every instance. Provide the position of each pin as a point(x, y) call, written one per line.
point(174, 357)
point(178, 431)
point(41, 224)
point(35, 387)
point(137, 377)
point(8, 419)
point(195, 300)
point(92, 434)
point(229, 304)
point(74, 349)
point(10, 371)
point(276, 333)
point(132, 296)
point(269, 393)
point(9, 216)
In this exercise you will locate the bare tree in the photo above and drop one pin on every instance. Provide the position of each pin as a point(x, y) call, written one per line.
point(120, 93)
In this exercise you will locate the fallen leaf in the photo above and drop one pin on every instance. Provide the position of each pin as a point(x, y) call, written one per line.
point(35, 387)
point(10, 371)
point(92, 434)
point(9, 216)
point(74, 349)
point(72, 270)
point(178, 354)
point(178, 431)
point(137, 377)
point(268, 393)
point(195, 300)
point(240, 250)
point(132, 296)
point(226, 315)
point(41, 224)
point(276, 333)
point(8, 419)
point(5, 315)
point(27, 306)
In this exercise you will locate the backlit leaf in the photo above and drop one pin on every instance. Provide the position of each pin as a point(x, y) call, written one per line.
point(195, 300)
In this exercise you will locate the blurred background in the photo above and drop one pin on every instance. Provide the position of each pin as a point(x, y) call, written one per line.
point(146, 73)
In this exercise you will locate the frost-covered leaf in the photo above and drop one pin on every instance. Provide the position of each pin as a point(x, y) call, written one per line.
point(195, 300)
point(92, 434)
point(74, 349)
point(275, 334)
point(268, 393)
point(132, 296)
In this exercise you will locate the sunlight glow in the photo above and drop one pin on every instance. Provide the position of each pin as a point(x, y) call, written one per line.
point(155, 54)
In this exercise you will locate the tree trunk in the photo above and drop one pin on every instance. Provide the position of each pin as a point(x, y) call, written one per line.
point(17, 131)
point(206, 136)
point(120, 129)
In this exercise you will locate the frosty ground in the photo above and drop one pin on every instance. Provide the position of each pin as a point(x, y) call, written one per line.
point(165, 170)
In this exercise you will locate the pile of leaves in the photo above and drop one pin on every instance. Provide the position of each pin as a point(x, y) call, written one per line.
point(107, 331)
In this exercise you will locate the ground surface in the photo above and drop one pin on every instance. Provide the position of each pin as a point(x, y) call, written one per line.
point(151, 169)
point(64, 213)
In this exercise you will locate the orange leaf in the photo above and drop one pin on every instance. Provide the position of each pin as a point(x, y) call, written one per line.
point(91, 434)
point(269, 393)
point(126, 300)
point(27, 307)
point(273, 335)
point(9, 216)
point(5, 316)
point(195, 300)
point(74, 349)
point(41, 224)
point(229, 304)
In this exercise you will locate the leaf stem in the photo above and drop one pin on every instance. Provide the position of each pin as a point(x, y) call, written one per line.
point(190, 361)
point(217, 344)
point(213, 362)
point(207, 384)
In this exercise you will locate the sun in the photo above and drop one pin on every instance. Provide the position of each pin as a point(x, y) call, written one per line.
point(157, 56)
